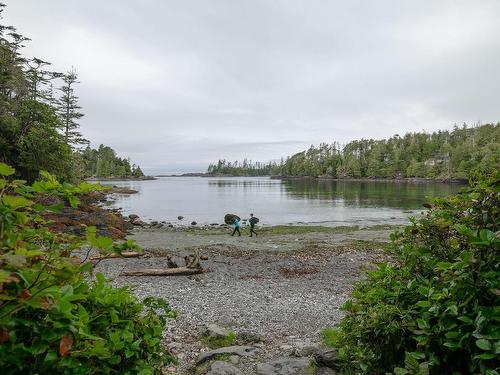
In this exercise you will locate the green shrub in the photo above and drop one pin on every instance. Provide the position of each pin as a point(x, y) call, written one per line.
point(436, 310)
point(54, 317)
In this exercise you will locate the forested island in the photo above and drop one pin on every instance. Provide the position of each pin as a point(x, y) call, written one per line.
point(442, 155)
point(245, 168)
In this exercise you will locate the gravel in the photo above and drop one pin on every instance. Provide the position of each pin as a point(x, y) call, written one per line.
point(283, 289)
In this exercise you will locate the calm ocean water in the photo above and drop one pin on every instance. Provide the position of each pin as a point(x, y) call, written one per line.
point(332, 203)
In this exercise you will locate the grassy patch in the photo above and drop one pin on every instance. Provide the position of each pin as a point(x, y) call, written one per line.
point(277, 230)
point(329, 337)
point(303, 229)
point(219, 342)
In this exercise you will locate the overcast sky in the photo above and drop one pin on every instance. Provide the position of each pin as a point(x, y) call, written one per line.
point(178, 84)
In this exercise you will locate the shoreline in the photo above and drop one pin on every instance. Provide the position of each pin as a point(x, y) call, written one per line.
point(416, 180)
point(97, 179)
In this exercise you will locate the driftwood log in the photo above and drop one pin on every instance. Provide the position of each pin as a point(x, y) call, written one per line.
point(179, 271)
point(126, 254)
point(192, 267)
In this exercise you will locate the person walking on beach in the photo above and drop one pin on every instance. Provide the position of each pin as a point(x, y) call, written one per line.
point(237, 225)
point(253, 221)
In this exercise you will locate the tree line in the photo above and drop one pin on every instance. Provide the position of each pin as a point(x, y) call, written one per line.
point(39, 117)
point(439, 155)
point(244, 168)
point(103, 162)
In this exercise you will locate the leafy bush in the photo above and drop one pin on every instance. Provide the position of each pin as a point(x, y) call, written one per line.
point(436, 310)
point(53, 318)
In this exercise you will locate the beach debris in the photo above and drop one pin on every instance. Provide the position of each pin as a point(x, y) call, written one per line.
point(125, 254)
point(192, 267)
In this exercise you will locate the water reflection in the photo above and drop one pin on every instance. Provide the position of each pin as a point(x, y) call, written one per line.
point(369, 194)
point(206, 200)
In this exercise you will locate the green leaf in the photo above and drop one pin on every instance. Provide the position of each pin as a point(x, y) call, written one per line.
point(4, 276)
point(6, 170)
point(485, 356)
point(73, 201)
point(483, 344)
point(15, 202)
point(423, 304)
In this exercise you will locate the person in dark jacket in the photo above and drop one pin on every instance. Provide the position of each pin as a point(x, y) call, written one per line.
point(253, 221)
point(237, 225)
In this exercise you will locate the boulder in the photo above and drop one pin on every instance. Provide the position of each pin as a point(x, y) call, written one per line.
point(180, 217)
point(230, 218)
point(326, 357)
point(133, 216)
point(215, 331)
point(304, 348)
point(138, 222)
point(248, 336)
point(285, 366)
point(242, 351)
point(223, 368)
point(194, 223)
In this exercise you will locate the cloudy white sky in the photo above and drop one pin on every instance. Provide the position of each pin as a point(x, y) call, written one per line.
point(177, 84)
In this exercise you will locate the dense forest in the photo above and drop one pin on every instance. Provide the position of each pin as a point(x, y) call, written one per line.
point(244, 168)
point(39, 117)
point(103, 162)
point(439, 155)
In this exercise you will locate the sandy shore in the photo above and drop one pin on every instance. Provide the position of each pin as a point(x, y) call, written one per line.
point(280, 288)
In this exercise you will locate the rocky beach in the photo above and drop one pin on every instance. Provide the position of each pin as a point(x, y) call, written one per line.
point(260, 304)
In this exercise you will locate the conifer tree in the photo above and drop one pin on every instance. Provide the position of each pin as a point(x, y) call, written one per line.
point(69, 110)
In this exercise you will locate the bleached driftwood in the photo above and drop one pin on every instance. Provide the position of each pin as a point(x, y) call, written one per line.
point(126, 254)
point(192, 267)
point(179, 271)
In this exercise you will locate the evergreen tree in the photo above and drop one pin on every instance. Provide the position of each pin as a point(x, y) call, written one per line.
point(68, 109)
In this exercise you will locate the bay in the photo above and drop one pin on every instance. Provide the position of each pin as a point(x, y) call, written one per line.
point(315, 202)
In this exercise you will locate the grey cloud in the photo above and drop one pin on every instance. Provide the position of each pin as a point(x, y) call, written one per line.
point(177, 84)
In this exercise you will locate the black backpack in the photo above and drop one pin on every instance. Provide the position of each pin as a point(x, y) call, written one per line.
point(253, 220)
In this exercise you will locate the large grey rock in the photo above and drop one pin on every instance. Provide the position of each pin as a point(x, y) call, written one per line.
point(286, 366)
point(215, 331)
point(248, 336)
point(223, 368)
point(242, 351)
point(326, 357)
point(138, 222)
point(304, 348)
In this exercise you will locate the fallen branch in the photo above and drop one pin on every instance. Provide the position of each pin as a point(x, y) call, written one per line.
point(129, 254)
point(179, 271)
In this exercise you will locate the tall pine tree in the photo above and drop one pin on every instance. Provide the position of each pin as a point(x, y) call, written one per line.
point(68, 109)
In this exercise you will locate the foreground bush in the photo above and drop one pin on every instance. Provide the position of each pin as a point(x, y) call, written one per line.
point(436, 310)
point(52, 318)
